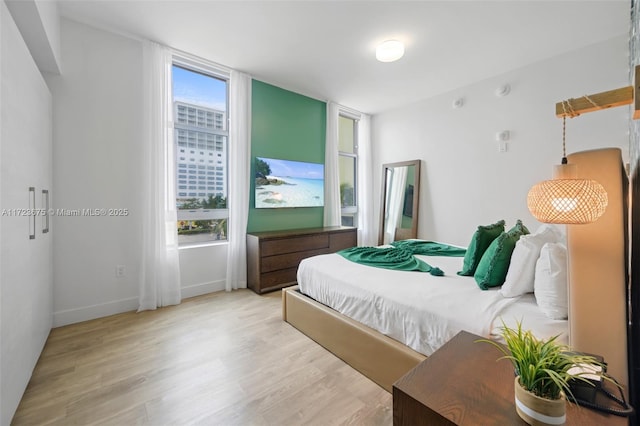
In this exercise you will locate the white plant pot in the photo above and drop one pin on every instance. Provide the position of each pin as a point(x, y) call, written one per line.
point(538, 411)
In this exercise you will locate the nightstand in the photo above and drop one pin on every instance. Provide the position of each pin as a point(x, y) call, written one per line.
point(462, 383)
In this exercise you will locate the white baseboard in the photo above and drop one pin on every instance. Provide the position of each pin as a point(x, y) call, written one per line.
point(85, 313)
point(204, 288)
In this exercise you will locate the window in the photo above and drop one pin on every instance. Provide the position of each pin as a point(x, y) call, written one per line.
point(348, 168)
point(199, 94)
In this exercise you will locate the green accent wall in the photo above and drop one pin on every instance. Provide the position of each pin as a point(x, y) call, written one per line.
point(292, 127)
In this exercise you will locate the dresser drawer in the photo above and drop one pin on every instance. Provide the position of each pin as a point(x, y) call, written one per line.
point(280, 278)
point(289, 260)
point(294, 244)
point(343, 240)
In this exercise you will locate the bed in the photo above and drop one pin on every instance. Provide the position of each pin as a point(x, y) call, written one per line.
point(410, 314)
point(417, 309)
point(384, 322)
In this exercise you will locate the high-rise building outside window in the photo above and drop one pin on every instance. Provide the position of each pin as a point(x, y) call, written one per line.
point(348, 168)
point(200, 105)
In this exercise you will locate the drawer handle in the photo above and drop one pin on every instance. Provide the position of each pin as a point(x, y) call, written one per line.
point(32, 208)
point(45, 216)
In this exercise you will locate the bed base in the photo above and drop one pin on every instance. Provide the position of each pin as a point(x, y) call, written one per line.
point(379, 357)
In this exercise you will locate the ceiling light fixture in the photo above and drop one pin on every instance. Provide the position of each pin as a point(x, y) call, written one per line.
point(389, 51)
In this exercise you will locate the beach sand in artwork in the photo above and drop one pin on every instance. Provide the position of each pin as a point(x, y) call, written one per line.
point(295, 192)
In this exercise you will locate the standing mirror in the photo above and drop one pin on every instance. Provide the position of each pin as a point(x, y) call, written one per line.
point(399, 203)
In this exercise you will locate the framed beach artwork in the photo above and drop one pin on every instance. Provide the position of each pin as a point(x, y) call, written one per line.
point(281, 183)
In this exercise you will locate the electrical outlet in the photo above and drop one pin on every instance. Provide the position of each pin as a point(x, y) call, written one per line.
point(120, 271)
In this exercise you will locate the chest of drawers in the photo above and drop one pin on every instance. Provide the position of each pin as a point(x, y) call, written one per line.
point(273, 256)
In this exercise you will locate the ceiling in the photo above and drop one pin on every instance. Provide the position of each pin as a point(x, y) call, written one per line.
point(325, 49)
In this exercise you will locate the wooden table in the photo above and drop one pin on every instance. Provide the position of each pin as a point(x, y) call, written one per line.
point(462, 383)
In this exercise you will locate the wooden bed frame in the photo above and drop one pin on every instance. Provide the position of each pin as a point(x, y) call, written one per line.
point(379, 357)
point(385, 360)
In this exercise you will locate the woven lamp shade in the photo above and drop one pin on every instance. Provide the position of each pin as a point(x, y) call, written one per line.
point(567, 201)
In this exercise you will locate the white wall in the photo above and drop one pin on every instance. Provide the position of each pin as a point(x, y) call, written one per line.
point(50, 18)
point(465, 180)
point(26, 264)
point(98, 108)
point(39, 24)
point(203, 269)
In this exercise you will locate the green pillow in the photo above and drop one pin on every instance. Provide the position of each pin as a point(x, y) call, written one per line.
point(520, 227)
point(480, 241)
point(493, 267)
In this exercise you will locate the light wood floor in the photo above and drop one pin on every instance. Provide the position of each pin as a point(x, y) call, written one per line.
point(218, 359)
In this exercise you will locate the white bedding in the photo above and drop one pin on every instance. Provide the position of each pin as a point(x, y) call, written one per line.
point(416, 308)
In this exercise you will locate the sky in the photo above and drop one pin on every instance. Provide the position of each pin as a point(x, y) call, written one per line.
point(199, 89)
point(295, 169)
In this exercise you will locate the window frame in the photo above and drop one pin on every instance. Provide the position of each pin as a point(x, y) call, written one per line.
point(351, 211)
point(210, 70)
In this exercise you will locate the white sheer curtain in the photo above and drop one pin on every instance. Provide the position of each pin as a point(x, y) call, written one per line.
point(239, 184)
point(160, 268)
point(332, 214)
point(366, 235)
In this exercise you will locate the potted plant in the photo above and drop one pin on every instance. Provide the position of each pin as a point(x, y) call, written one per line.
point(544, 370)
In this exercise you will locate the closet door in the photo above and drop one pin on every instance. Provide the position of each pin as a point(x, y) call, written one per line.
point(25, 251)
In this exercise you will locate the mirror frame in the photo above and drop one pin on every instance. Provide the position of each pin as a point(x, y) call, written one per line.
point(416, 197)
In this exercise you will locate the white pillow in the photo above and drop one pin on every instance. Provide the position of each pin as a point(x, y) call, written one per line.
point(521, 271)
point(550, 286)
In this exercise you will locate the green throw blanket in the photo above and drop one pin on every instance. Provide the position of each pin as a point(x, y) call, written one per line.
point(430, 248)
point(401, 257)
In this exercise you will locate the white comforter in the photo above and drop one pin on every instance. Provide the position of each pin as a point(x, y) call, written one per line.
point(416, 308)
